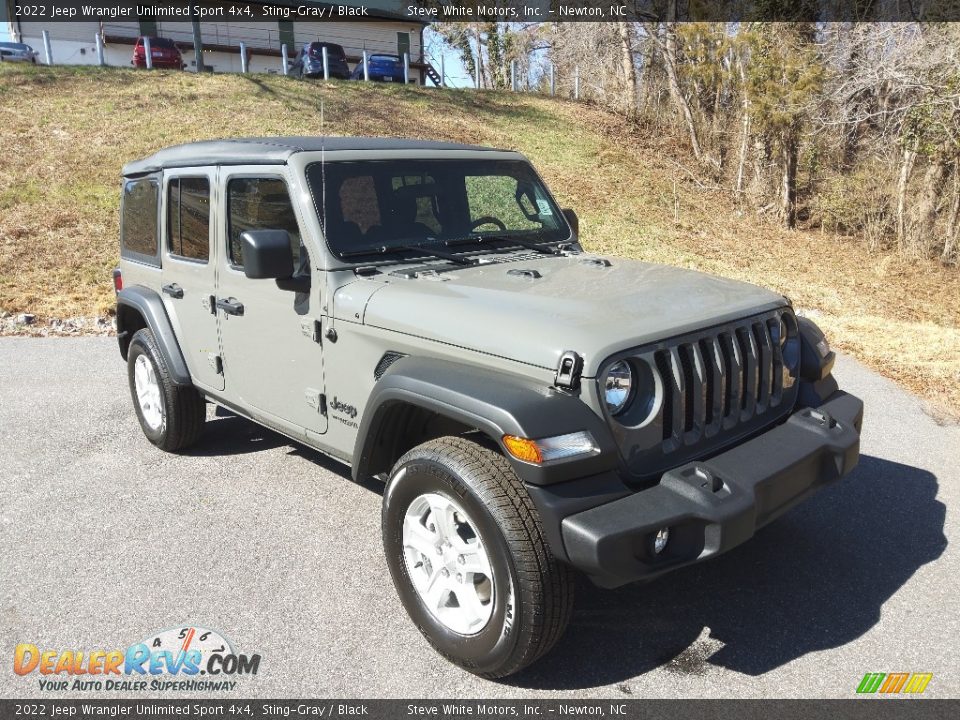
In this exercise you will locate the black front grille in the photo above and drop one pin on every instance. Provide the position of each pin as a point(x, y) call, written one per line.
point(713, 387)
point(717, 381)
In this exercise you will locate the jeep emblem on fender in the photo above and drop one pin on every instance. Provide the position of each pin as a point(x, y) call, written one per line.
point(343, 407)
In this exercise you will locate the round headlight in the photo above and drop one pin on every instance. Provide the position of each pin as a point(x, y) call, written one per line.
point(617, 386)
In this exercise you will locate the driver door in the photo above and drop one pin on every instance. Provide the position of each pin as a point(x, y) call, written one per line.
point(272, 356)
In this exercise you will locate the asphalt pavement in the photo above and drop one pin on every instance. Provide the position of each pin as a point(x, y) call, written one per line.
point(105, 540)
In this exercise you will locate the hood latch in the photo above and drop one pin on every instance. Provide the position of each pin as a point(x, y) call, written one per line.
point(568, 371)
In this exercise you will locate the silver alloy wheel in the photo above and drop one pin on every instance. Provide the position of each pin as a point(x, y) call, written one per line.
point(148, 392)
point(448, 564)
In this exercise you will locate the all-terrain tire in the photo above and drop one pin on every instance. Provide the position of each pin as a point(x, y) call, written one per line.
point(183, 409)
point(533, 592)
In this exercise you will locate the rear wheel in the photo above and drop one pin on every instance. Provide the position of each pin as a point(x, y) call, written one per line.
point(171, 415)
point(466, 551)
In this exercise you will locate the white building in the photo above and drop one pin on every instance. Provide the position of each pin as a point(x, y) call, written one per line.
point(74, 43)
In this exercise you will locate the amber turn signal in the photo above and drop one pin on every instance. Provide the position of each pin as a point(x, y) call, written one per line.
point(522, 449)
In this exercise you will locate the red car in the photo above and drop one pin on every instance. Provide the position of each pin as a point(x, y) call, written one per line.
point(163, 52)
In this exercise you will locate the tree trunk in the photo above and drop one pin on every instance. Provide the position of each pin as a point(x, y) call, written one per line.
point(481, 64)
point(903, 180)
point(950, 236)
point(744, 134)
point(670, 64)
point(761, 183)
point(628, 67)
point(788, 191)
point(924, 216)
point(744, 145)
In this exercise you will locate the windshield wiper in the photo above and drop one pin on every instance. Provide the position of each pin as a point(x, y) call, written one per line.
point(522, 242)
point(426, 250)
point(452, 257)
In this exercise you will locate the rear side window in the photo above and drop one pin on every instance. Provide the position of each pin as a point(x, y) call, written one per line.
point(333, 51)
point(138, 223)
point(260, 204)
point(188, 218)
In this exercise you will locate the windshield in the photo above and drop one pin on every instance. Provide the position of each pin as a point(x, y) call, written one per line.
point(383, 205)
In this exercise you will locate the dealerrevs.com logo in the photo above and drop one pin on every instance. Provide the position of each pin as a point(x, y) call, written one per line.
point(180, 659)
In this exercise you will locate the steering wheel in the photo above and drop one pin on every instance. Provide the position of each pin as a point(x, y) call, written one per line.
point(488, 220)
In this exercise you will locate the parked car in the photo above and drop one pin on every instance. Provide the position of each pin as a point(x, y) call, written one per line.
point(425, 313)
point(17, 52)
point(163, 52)
point(384, 68)
point(309, 61)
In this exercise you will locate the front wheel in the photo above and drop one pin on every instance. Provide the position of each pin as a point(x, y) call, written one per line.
point(465, 548)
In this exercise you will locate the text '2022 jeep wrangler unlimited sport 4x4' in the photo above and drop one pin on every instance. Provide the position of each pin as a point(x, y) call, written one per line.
point(424, 312)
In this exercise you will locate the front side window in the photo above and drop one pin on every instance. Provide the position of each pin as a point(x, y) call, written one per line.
point(383, 205)
point(138, 225)
point(260, 204)
point(188, 218)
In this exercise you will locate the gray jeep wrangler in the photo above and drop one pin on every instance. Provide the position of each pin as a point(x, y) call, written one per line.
point(424, 313)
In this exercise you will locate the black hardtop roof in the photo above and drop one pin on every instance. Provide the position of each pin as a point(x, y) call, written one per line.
point(272, 150)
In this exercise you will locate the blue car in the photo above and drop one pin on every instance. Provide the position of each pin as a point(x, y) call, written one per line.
point(309, 61)
point(385, 68)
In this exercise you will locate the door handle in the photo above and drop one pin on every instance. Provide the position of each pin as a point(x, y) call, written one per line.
point(230, 306)
point(173, 290)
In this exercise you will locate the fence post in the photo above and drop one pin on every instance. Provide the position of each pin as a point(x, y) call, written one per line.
point(326, 62)
point(46, 47)
point(576, 82)
point(284, 59)
point(553, 80)
point(197, 41)
point(406, 68)
point(100, 59)
point(443, 73)
point(147, 54)
point(243, 57)
point(366, 66)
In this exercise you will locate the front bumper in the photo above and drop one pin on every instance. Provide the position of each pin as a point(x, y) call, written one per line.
point(713, 505)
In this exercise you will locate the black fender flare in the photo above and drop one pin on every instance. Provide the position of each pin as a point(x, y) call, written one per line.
point(148, 304)
point(494, 403)
point(814, 365)
point(817, 383)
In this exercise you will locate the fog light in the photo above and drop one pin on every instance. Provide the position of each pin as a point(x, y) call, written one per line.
point(660, 540)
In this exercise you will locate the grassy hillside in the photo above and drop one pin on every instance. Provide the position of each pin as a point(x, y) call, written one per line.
point(66, 132)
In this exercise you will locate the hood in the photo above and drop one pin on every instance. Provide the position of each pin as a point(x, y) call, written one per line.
point(576, 303)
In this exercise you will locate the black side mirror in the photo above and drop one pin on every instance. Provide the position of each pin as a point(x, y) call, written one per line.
point(572, 218)
point(267, 254)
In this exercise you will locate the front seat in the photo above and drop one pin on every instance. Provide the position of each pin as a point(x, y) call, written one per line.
point(404, 216)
